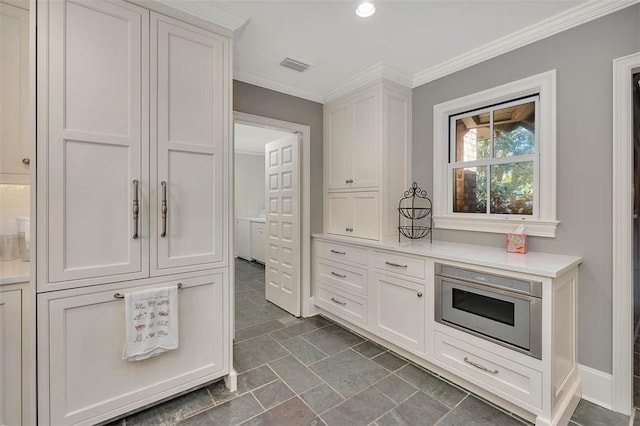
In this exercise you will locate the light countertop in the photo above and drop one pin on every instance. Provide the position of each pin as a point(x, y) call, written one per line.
point(536, 263)
point(14, 271)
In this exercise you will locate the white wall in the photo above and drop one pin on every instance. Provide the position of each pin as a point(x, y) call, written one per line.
point(249, 184)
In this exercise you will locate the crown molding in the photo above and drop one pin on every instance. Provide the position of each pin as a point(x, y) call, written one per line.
point(563, 21)
point(375, 73)
point(278, 87)
point(198, 10)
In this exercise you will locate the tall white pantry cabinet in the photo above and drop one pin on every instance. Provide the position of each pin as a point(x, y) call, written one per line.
point(133, 141)
point(367, 160)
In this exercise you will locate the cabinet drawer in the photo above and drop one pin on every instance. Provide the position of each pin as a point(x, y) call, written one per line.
point(348, 278)
point(348, 307)
point(405, 265)
point(341, 252)
point(86, 334)
point(510, 380)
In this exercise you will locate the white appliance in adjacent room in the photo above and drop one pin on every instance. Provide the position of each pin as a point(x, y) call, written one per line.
point(243, 238)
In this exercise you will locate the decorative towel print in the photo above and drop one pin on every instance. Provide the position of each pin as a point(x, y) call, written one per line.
point(151, 320)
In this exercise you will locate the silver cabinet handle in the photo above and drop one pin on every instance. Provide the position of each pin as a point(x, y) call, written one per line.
point(26, 161)
point(136, 209)
point(338, 252)
point(164, 209)
point(480, 367)
point(335, 274)
point(333, 299)
point(397, 265)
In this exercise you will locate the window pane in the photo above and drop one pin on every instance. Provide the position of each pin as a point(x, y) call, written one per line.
point(470, 190)
point(512, 188)
point(473, 139)
point(514, 130)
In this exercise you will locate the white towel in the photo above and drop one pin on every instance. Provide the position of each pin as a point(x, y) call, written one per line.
point(151, 320)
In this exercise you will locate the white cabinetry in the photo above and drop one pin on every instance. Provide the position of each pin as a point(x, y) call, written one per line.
point(97, 144)
point(387, 292)
point(14, 101)
point(398, 311)
point(103, 178)
point(188, 68)
point(353, 213)
point(367, 150)
point(83, 339)
point(11, 357)
point(258, 241)
point(353, 142)
point(132, 194)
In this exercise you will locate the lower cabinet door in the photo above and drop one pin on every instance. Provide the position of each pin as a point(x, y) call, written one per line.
point(10, 357)
point(397, 311)
point(82, 376)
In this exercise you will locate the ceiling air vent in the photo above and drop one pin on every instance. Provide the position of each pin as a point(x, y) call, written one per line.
point(294, 65)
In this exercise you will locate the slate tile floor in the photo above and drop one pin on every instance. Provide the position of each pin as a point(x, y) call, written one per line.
point(314, 372)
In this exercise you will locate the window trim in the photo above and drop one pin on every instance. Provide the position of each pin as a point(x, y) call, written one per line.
point(545, 223)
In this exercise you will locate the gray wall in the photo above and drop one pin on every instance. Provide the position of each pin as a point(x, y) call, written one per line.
point(268, 103)
point(583, 60)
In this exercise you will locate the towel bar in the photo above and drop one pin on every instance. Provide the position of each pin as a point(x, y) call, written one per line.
point(121, 296)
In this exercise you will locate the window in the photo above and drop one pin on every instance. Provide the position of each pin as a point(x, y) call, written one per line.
point(494, 159)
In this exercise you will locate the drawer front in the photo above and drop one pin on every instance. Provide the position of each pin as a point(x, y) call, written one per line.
point(404, 265)
point(342, 253)
point(348, 278)
point(348, 307)
point(510, 380)
point(86, 338)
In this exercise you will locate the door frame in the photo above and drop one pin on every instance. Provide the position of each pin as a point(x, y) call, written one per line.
point(622, 209)
point(307, 308)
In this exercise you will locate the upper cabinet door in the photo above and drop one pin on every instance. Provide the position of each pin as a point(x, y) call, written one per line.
point(189, 129)
point(97, 142)
point(366, 140)
point(339, 137)
point(14, 95)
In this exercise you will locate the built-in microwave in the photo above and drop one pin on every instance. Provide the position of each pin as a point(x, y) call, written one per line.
point(505, 310)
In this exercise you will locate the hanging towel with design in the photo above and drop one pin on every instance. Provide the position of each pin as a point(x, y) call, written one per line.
point(151, 320)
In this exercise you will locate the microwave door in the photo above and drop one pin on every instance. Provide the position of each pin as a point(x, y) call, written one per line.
point(497, 314)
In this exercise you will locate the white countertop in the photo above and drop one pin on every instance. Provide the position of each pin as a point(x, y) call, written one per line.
point(14, 271)
point(536, 263)
point(254, 219)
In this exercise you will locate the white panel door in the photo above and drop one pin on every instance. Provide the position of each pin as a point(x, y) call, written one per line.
point(188, 126)
point(366, 140)
point(339, 139)
point(282, 187)
point(14, 94)
point(98, 142)
point(81, 356)
point(10, 358)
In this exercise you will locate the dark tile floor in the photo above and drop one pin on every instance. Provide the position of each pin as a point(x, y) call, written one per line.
point(313, 372)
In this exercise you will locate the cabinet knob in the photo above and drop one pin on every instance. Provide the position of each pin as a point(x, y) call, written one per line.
point(346, 229)
point(346, 181)
point(419, 294)
point(26, 161)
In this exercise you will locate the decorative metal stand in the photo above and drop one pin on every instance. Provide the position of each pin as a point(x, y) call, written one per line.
point(416, 207)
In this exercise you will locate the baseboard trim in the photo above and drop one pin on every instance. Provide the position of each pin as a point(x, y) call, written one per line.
point(597, 386)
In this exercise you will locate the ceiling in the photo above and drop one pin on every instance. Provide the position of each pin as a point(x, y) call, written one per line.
point(403, 37)
point(251, 139)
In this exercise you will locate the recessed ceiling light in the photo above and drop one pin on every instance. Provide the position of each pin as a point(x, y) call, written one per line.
point(365, 9)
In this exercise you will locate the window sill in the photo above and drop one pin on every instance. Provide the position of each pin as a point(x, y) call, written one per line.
point(533, 227)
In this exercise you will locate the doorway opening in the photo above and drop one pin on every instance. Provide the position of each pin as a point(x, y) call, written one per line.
point(621, 397)
point(271, 184)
